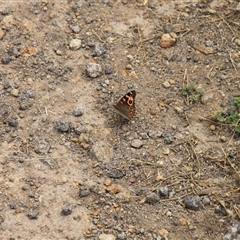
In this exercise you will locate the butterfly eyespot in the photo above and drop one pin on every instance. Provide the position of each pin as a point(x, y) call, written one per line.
point(126, 105)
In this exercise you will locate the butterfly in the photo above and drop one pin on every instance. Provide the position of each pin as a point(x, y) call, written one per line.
point(126, 106)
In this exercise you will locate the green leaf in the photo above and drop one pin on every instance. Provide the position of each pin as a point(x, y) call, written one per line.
point(220, 117)
point(233, 118)
point(236, 102)
point(237, 128)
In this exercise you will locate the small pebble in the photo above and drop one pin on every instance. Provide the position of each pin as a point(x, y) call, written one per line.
point(75, 29)
point(62, 126)
point(168, 213)
point(66, 210)
point(51, 15)
point(8, 84)
point(130, 57)
point(163, 192)
point(21, 160)
point(196, 58)
point(212, 127)
point(6, 59)
point(133, 74)
point(163, 233)
point(80, 129)
point(129, 67)
point(166, 84)
point(107, 182)
point(237, 40)
point(136, 143)
point(13, 121)
point(178, 109)
point(13, 205)
point(144, 135)
point(236, 56)
point(75, 44)
point(219, 210)
point(183, 221)
point(99, 50)
point(192, 202)
point(108, 70)
point(209, 43)
point(30, 94)
point(208, 50)
point(167, 41)
point(168, 139)
point(59, 52)
point(94, 70)
point(107, 81)
point(15, 92)
point(223, 138)
point(166, 151)
point(33, 214)
point(114, 189)
point(206, 200)
point(115, 173)
point(152, 198)
point(78, 112)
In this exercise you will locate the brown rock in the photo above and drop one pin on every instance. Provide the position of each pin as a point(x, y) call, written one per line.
point(114, 189)
point(107, 182)
point(167, 41)
point(183, 221)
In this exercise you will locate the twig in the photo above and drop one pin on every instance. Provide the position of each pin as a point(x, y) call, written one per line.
point(147, 163)
point(209, 73)
point(186, 116)
point(163, 180)
point(46, 111)
point(227, 25)
point(213, 89)
point(39, 110)
point(232, 62)
point(185, 32)
point(174, 199)
point(194, 152)
point(223, 205)
point(197, 48)
point(217, 122)
point(226, 157)
point(152, 37)
point(237, 210)
point(185, 79)
point(98, 36)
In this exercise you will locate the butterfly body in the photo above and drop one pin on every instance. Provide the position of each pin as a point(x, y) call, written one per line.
point(126, 106)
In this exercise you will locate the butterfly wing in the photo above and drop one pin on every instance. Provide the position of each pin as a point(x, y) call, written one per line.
point(126, 105)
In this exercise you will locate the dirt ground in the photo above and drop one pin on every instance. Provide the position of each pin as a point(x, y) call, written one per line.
point(72, 168)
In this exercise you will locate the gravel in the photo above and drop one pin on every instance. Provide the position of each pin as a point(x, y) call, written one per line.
point(33, 214)
point(94, 70)
point(62, 126)
point(66, 210)
point(193, 202)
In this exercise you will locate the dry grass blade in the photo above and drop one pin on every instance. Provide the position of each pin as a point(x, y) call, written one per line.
point(230, 163)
